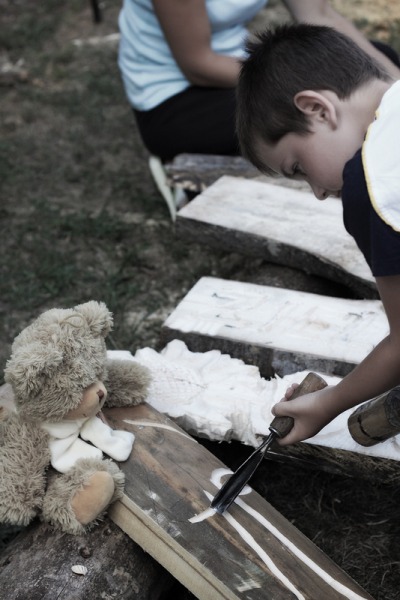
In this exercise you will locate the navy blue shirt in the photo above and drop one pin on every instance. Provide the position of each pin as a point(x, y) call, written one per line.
point(379, 243)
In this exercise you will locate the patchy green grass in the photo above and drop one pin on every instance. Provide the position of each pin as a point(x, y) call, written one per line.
point(80, 216)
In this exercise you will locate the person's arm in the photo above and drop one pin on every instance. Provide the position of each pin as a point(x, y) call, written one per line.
point(187, 30)
point(320, 12)
point(376, 374)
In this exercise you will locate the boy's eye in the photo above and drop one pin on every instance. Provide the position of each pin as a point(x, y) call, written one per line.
point(296, 171)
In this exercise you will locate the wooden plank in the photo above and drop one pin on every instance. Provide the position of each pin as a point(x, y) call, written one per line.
point(195, 172)
point(223, 557)
point(281, 225)
point(278, 330)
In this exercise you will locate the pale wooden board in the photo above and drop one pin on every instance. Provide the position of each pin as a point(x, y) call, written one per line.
point(166, 477)
point(285, 226)
point(280, 331)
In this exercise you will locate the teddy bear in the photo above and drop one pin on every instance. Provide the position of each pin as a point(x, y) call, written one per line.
point(52, 443)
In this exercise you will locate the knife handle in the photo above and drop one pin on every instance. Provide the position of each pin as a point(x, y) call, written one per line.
point(281, 426)
point(376, 420)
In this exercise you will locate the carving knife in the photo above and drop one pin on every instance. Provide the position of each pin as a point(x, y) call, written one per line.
point(279, 427)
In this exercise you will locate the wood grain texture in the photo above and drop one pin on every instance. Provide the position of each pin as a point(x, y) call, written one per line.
point(281, 225)
point(36, 565)
point(167, 477)
point(278, 330)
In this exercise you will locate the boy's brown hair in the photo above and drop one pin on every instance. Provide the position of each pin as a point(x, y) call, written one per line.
point(288, 60)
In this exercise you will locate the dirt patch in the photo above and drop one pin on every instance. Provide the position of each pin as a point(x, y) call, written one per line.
point(81, 219)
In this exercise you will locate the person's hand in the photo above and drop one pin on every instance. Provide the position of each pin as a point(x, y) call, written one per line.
point(310, 412)
point(289, 391)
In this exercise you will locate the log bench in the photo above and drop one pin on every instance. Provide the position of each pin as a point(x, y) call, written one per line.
point(195, 172)
point(253, 552)
point(36, 565)
point(280, 225)
point(278, 330)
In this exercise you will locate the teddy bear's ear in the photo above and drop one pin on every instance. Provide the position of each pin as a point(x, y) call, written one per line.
point(98, 317)
point(28, 367)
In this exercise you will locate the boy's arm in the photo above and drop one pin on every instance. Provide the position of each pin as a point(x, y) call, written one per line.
point(320, 12)
point(377, 373)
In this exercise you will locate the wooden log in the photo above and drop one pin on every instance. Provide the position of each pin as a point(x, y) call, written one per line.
point(377, 420)
point(366, 468)
point(251, 552)
point(281, 225)
point(36, 565)
point(278, 330)
point(195, 172)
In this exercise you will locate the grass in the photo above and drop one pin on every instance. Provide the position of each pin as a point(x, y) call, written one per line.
point(80, 217)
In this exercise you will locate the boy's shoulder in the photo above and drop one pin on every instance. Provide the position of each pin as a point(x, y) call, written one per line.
point(381, 158)
point(378, 241)
point(371, 189)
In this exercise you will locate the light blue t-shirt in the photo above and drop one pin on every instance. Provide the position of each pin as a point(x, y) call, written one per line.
point(149, 71)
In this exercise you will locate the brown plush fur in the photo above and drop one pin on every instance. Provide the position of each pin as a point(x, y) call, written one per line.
point(53, 360)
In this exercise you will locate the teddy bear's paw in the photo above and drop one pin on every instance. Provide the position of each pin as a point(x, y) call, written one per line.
point(127, 382)
point(90, 501)
point(4, 413)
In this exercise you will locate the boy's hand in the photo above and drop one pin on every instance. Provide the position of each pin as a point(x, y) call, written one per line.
point(310, 413)
point(289, 391)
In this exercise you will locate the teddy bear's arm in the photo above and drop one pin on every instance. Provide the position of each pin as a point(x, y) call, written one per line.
point(127, 382)
point(24, 458)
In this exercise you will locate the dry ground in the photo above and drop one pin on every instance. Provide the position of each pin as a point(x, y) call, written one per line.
point(81, 219)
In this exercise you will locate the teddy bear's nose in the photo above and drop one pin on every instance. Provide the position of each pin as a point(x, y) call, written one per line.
point(100, 394)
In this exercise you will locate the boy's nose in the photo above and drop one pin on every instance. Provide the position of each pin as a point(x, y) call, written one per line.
point(319, 192)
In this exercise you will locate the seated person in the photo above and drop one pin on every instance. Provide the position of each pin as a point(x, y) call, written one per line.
point(180, 63)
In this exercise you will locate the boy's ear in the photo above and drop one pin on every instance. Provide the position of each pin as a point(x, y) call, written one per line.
point(316, 107)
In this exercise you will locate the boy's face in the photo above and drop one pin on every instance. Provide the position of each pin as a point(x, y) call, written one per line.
point(317, 157)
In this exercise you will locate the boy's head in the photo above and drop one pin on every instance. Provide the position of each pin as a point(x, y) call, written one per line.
point(291, 88)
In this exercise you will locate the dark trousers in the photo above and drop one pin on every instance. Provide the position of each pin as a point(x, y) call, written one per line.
point(199, 120)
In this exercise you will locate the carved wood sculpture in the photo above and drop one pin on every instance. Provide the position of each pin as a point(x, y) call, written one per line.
point(284, 226)
point(284, 331)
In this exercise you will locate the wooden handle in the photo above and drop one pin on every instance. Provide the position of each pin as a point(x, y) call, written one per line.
point(376, 420)
point(311, 383)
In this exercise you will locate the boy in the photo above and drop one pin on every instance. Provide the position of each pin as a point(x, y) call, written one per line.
point(313, 106)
